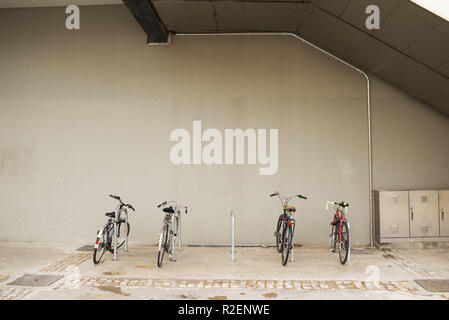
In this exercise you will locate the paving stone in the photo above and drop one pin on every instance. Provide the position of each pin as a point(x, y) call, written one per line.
point(434, 285)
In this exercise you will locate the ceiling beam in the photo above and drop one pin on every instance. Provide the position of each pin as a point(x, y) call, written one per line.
point(146, 15)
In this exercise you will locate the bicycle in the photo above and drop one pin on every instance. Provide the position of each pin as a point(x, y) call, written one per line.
point(107, 237)
point(170, 230)
point(340, 230)
point(286, 223)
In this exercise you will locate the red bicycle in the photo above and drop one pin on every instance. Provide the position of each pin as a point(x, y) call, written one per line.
point(340, 230)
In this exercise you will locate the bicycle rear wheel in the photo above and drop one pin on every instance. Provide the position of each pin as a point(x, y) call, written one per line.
point(100, 246)
point(162, 246)
point(343, 248)
point(122, 233)
point(287, 244)
point(278, 234)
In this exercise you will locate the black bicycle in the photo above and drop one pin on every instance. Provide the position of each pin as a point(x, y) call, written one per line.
point(107, 238)
point(285, 227)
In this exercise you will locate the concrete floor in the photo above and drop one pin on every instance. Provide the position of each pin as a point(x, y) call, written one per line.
point(209, 273)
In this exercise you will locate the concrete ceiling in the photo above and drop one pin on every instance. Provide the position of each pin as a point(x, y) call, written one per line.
point(410, 51)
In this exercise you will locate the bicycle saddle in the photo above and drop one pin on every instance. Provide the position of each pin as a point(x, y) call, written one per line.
point(289, 208)
point(168, 210)
point(110, 214)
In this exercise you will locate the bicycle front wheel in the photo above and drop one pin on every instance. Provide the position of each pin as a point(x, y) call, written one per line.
point(162, 246)
point(344, 248)
point(287, 244)
point(278, 234)
point(122, 233)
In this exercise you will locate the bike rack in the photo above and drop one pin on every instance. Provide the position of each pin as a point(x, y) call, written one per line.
point(232, 235)
point(118, 214)
point(179, 232)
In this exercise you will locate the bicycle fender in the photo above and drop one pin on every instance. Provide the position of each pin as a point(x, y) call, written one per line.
point(100, 232)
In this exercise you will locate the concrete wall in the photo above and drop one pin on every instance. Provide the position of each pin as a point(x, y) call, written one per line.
point(87, 113)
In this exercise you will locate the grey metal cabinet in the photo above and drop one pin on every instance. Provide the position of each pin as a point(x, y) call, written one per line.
point(414, 215)
point(393, 209)
point(424, 215)
point(444, 213)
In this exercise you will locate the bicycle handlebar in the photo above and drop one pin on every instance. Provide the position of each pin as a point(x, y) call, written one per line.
point(296, 195)
point(175, 205)
point(121, 202)
point(342, 204)
point(115, 197)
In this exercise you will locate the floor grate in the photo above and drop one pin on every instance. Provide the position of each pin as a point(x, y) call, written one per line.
point(87, 247)
point(36, 280)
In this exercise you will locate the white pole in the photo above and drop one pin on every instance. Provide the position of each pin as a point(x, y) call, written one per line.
point(292, 250)
point(115, 240)
point(126, 230)
point(179, 234)
point(233, 234)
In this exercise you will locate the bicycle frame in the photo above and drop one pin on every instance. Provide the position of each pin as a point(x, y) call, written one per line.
point(340, 216)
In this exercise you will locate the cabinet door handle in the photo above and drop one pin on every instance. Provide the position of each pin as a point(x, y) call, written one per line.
point(411, 213)
point(442, 214)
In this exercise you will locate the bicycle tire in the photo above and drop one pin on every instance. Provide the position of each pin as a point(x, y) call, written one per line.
point(344, 246)
point(287, 245)
point(162, 246)
point(100, 250)
point(118, 232)
point(334, 238)
point(174, 235)
point(278, 234)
